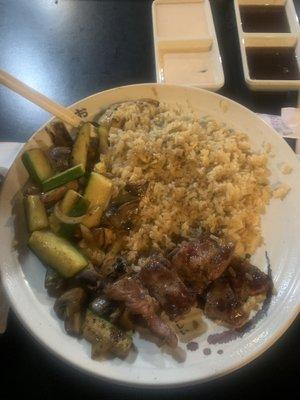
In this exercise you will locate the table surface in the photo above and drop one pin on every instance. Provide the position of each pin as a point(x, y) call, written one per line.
point(68, 50)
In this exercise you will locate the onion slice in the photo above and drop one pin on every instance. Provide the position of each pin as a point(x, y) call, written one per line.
point(65, 218)
point(73, 220)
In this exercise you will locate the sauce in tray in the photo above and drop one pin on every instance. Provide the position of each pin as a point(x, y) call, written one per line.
point(264, 19)
point(188, 68)
point(279, 63)
point(184, 20)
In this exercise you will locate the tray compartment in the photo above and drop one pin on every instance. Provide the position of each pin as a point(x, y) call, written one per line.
point(186, 47)
point(268, 41)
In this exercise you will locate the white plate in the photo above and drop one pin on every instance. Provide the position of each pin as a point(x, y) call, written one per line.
point(281, 225)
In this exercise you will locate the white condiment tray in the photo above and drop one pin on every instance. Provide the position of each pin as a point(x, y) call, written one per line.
point(261, 39)
point(185, 43)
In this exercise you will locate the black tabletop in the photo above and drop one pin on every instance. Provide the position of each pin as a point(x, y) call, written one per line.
point(69, 49)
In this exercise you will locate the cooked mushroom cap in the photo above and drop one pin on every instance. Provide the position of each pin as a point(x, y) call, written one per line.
point(102, 306)
point(90, 278)
point(54, 283)
point(70, 303)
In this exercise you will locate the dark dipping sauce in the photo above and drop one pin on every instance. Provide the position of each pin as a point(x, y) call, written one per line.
point(279, 63)
point(264, 18)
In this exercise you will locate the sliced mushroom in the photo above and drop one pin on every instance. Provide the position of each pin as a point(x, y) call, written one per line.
point(125, 321)
point(136, 190)
point(54, 283)
point(53, 196)
point(90, 279)
point(73, 326)
point(30, 189)
point(123, 217)
point(124, 197)
point(69, 308)
point(59, 157)
point(59, 134)
point(108, 119)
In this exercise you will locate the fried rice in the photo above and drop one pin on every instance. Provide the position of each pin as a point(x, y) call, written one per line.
point(201, 175)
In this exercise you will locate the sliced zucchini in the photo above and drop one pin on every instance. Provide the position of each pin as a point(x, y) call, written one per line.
point(103, 139)
point(98, 191)
point(69, 201)
point(63, 178)
point(37, 165)
point(57, 253)
point(36, 214)
point(80, 208)
point(72, 205)
point(67, 230)
point(81, 145)
point(105, 337)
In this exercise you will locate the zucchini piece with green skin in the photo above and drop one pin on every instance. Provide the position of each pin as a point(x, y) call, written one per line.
point(67, 230)
point(98, 191)
point(81, 145)
point(37, 165)
point(80, 208)
point(36, 214)
point(69, 200)
point(103, 139)
point(105, 337)
point(72, 205)
point(63, 178)
point(57, 253)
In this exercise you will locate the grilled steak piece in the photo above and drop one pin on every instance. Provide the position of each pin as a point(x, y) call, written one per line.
point(200, 262)
point(222, 304)
point(247, 280)
point(166, 287)
point(226, 297)
point(130, 290)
